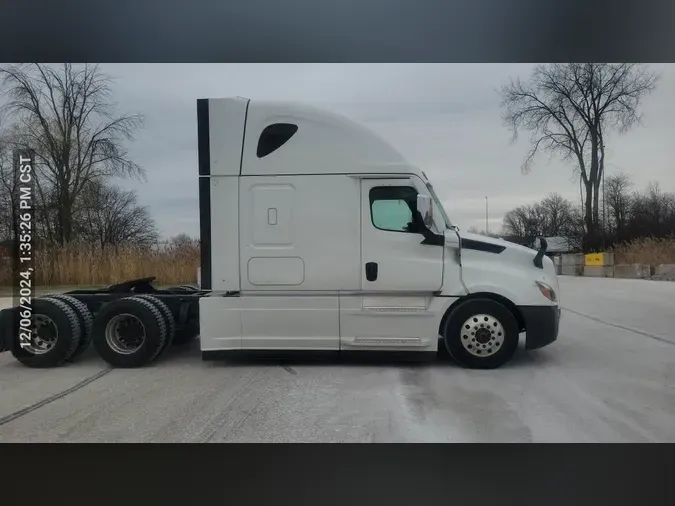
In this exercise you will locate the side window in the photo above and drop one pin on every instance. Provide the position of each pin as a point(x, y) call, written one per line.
point(391, 207)
point(273, 137)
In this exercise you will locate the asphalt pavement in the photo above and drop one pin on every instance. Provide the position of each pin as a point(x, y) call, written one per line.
point(610, 377)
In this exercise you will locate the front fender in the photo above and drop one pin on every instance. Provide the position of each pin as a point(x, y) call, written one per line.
point(509, 279)
point(493, 288)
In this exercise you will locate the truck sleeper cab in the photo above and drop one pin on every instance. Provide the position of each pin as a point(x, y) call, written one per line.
point(316, 235)
point(323, 237)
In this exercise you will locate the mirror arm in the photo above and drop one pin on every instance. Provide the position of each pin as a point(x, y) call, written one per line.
point(429, 237)
point(434, 240)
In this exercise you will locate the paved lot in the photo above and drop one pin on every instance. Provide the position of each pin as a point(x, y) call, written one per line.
point(610, 377)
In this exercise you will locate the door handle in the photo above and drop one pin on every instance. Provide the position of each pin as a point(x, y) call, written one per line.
point(371, 271)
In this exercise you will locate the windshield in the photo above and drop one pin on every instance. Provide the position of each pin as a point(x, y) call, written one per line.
point(439, 207)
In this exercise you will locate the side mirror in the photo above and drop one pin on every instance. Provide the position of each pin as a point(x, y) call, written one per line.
point(426, 209)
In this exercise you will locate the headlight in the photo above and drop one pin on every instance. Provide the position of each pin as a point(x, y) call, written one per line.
point(547, 291)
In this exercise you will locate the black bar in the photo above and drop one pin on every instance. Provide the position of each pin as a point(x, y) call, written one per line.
point(346, 31)
point(203, 139)
point(204, 153)
point(482, 246)
point(349, 474)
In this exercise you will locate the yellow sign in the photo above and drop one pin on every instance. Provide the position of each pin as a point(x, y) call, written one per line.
point(596, 259)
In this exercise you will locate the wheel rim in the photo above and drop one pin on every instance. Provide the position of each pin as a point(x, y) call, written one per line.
point(125, 334)
point(44, 335)
point(482, 335)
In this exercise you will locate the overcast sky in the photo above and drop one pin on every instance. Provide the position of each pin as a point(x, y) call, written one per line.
point(445, 118)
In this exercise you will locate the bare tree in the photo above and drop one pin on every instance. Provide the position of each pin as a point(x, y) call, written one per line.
point(514, 223)
point(559, 216)
point(8, 219)
point(553, 216)
point(67, 117)
point(569, 109)
point(618, 201)
point(183, 245)
point(523, 223)
point(109, 217)
point(182, 241)
point(652, 213)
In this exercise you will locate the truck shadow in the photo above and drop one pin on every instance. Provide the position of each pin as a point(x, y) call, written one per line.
point(521, 359)
point(190, 352)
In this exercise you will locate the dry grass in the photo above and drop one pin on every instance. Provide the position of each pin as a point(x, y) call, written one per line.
point(646, 251)
point(84, 266)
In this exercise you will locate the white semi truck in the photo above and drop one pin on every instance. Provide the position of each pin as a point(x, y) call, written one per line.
point(316, 236)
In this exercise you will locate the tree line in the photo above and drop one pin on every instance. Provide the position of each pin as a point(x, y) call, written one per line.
point(570, 110)
point(628, 214)
point(66, 117)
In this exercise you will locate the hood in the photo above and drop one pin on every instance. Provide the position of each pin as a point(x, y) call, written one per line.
point(489, 264)
point(476, 244)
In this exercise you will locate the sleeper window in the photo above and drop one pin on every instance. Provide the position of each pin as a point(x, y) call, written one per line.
point(391, 207)
point(273, 137)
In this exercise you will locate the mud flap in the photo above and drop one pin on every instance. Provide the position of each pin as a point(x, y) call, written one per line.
point(6, 329)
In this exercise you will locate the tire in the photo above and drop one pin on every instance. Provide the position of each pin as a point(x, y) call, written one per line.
point(64, 322)
point(168, 319)
point(85, 317)
point(139, 313)
point(481, 334)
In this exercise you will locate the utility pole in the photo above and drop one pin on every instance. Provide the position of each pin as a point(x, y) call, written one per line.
point(486, 217)
point(604, 212)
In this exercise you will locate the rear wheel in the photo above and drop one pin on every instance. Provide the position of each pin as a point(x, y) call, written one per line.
point(56, 334)
point(85, 317)
point(129, 332)
point(481, 334)
point(168, 319)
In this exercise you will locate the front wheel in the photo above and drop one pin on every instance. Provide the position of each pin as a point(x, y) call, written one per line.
point(481, 334)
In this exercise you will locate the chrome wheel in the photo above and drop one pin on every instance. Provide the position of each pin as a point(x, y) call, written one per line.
point(45, 333)
point(125, 334)
point(482, 335)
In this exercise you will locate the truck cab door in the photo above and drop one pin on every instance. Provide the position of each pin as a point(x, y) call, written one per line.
point(396, 309)
point(394, 256)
